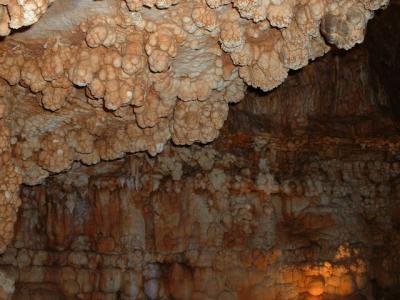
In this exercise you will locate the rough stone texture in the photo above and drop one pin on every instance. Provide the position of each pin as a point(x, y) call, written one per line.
point(276, 218)
point(297, 199)
point(9, 178)
point(94, 80)
point(15, 14)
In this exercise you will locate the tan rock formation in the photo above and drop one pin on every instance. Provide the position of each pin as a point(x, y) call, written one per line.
point(9, 178)
point(15, 14)
point(171, 73)
point(93, 81)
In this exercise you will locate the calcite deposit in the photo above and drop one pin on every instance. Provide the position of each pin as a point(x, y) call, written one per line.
point(9, 177)
point(302, 211)
point(98, 103)
point(15, 14)
point(94, 80)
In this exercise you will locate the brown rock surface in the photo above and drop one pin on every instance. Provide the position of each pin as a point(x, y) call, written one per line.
point(297, 198)
point(95, 80)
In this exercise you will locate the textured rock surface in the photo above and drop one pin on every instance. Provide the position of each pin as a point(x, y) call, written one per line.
point(297, 199)
point(15, 14)
point(9, 178)
point(272, 217)
point(94, 80)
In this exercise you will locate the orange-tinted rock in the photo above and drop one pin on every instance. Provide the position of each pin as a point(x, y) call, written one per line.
point(296, 199)
point(316, 286)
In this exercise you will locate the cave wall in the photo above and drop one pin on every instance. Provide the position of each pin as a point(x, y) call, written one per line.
point(298, 199)
point(269, 219)
point(85, 81)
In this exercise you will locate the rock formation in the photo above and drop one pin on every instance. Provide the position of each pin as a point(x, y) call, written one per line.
point(288, 203)
point(101, 96)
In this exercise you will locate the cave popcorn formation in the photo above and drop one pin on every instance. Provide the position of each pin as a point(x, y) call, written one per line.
point(15, 14)
point(9, 179)
point(150, 72)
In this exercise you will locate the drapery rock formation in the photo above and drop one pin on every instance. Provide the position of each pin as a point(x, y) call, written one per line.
point(93, 81)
